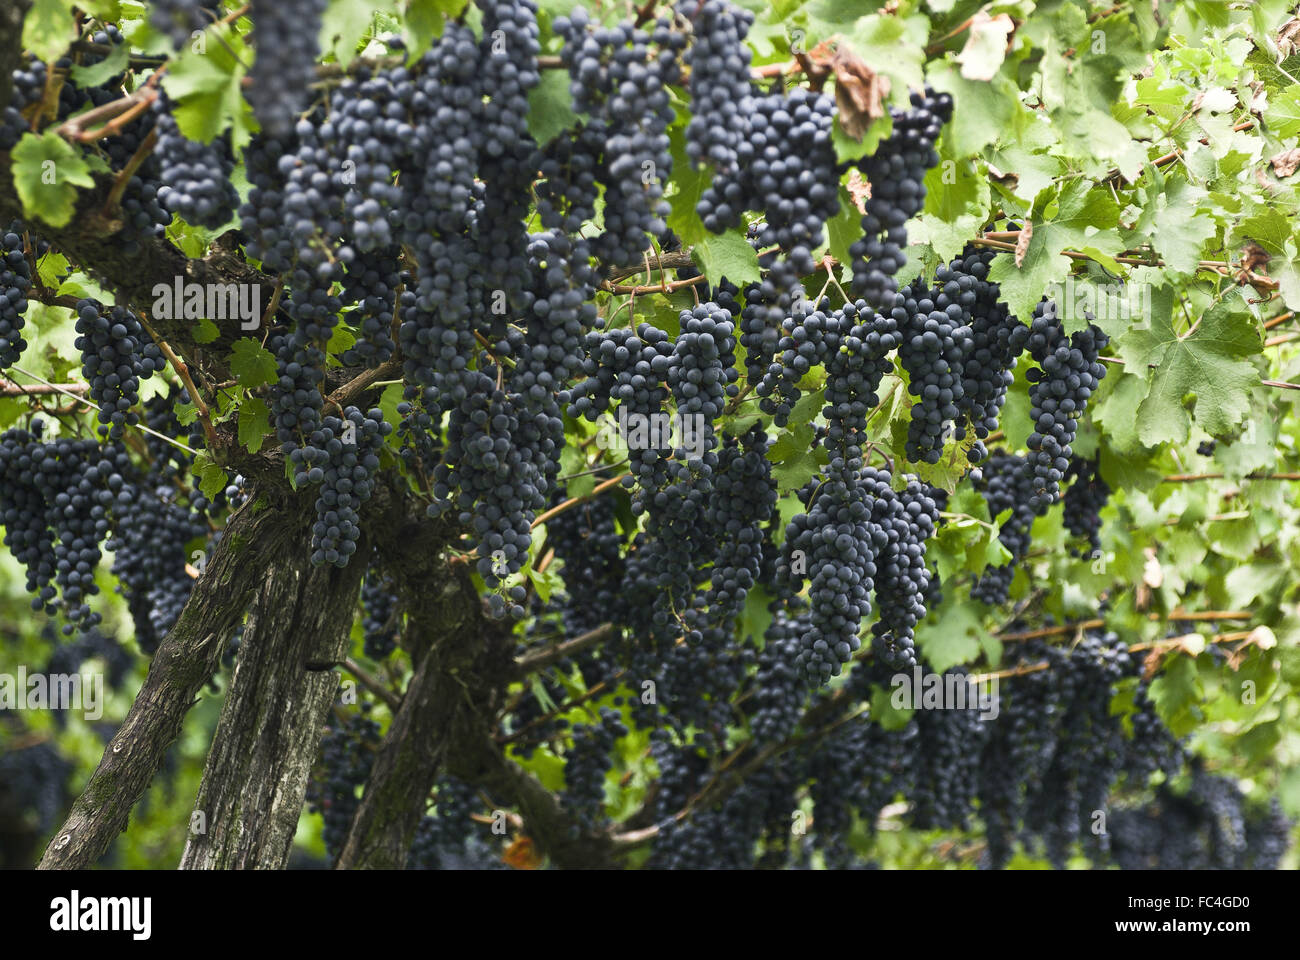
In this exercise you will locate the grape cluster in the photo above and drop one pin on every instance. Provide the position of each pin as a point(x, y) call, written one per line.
point(28, 87)
point(68, 657)
point(1210, 826)
point(508, 153)
point(116, 354)
point(152, 532)
point(1005, 484)
point(195, 177)
point(1087, 757)
point(854, 370)
point(347, 755)
point(620, 77)
point(703, 371)
point(997, 339)
point(1084, 500)
point(589, 546)
point(352, 445)
point(15, 281)
point(780, 688)
point(285, 33)
point(744, 496)
point(902, 579)
point(1152, 746)
point(371, 283)
point(447, 838)
point(380, 618)
point(558, 312)
point(720, 89)
point(495, 475)
point(948, 747)
point(631, 367)
point(1067, 375)
point(896, 172)
point(835, 544)
point(33, 793)
point(785, 168)
point(587, 762)
point(179, 19)
point(767, 305)
point(852, 344)
point(55, 499)
point(936, 340)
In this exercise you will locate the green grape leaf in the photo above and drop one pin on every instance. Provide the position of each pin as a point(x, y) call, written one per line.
point(341, 340)
point(1177, 695)
point(885, 712)
point(981, 111)
point(545, 583)
point(254, 423)
point(550, 106)
point(691, 182)
point(952, 639)
point(424, 22)
point(49, 28)
point(1206, 369)
point(47, 171)
point(116, 62)
point(207, 331)
point(204, 86)
point(212, 479)
point(51, 268)
point(186, 413)
point(1084, 216)
point(251, 363)
point(1283, 113)
point(845, 228)
point(848, 150)
point(344, 24)
point(727, 255)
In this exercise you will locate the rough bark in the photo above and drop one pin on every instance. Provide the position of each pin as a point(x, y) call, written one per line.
point(256, 773)
point(455, 677)
point(445, 722)
point(185, 660)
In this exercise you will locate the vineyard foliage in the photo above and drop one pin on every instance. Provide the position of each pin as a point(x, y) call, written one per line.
point(638, 400)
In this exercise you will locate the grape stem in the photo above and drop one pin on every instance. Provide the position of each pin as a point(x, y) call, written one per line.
point(1064, 628)
point(371, 683)
point(183, 371)
point(536, 660)
point(574, 501)
point(90, 403)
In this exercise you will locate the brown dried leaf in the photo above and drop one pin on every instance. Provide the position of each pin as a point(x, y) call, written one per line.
point(859, 189)
point(1286, 162)
point(522, 854)
point(1151, 663)
point(1152, 574)
point(1253, 258)
point(1288, 37)
point(859, 91)
point(1022, 241)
